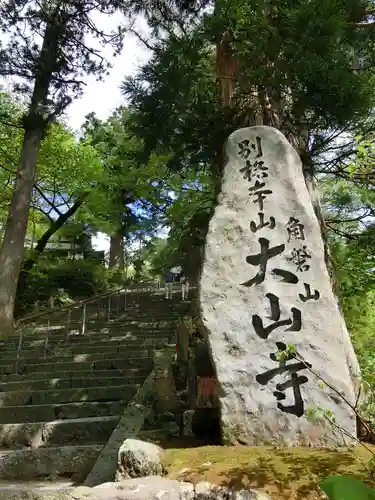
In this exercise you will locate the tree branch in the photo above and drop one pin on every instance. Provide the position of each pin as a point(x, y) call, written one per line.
point(344, 221)
point(54, 227)
point(51, 204)
point(370, 24)
point(35, 207)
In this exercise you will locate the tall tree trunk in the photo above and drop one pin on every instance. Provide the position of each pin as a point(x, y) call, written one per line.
point(116, 251)
point(12, 248)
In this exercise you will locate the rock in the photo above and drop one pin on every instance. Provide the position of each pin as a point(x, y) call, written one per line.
point(166, 417)
point(130, 423)
point(138, 459)
point(249, 495)
point(170, 428)
point(147, 488)
point(208, 491)
point(167, 423)
point(264, 286)
point(164, 384)
point(64, 461)
point(187, 422)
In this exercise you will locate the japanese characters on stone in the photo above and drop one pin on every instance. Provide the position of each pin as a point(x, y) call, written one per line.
point(255, 171)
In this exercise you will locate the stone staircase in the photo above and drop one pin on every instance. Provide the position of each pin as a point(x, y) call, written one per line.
point(62, 392)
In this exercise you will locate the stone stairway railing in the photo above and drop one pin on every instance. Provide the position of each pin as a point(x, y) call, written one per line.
point(73, 396)
point(75, 318)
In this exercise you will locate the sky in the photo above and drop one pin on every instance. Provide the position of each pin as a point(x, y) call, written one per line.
point(104, 97)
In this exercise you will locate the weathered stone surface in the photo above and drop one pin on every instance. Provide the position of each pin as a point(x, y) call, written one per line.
point(164, 386)
point(66, 461)
point(21, 435)
point(184, 330)
point(148, 488)
point(208, 491)
point(107, 393)
point(264, 264)
point(139, 459)
point(95, 430)
point(187, 422)
point(35, 490)
point(129, 425)
point(167, 423)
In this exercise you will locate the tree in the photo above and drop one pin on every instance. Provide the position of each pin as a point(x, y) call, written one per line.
point(69, 175)
point(51, 74)
point(137, 194)
point(68, 172)
point(305, 69)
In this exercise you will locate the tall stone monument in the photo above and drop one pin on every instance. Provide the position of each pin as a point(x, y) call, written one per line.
point(264, 287)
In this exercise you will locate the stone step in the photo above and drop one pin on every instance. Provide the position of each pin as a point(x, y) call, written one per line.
point(57, 364)
point(65, 461)
point(92, 340)
point(107, 364)
point(61, 327)
point(145, 317)
point(67, 358)
point(104, 393)
point(49, 412)
point(131, 333)
point(57, 384)
point(131, 373)
point(87, 345)
point(148, 304)
point(118, 363)
point(79, 350)
point(43, 488)
point(93, 430)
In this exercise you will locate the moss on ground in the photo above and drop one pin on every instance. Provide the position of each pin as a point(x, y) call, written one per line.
point(285, 473)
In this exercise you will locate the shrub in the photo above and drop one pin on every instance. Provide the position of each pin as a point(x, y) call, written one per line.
point(79, 279)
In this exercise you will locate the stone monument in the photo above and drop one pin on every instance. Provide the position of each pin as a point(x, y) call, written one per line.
point(265, 286)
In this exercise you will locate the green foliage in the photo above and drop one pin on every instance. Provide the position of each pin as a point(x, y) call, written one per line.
point(319, 414)
point(285, 354)
point(306, 56)
point(160, 254)
point(79, 279)
point(349, 206)
point(67, 168)
point(176, 103)
point(354, 264)
point(132, 198)
point(346, 488)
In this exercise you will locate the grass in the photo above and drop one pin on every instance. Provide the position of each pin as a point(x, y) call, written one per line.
point(285, 473)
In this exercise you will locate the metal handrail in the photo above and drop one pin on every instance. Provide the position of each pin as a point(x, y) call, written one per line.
point(74, 305)
point(109, 310)
point(77, 305)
